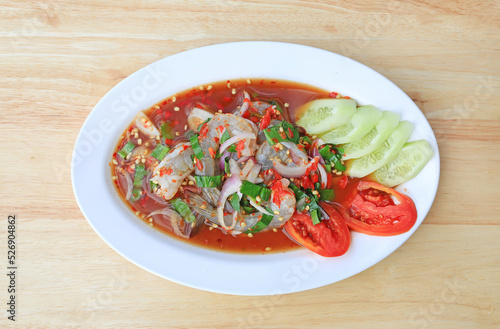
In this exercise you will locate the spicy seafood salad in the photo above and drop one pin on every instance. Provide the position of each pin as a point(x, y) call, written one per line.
point(268, 165)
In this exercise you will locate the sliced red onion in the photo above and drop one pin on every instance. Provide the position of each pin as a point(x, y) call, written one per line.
point(244, 106)
point(324, 177)
point(236, 139)
point(146, 186)
point(294, 150)
point(173, 223)
point(294, 172)
point(130, 185)
point(194, 189)
point(259, 180)
point(231, 186)
point(315, 153)
point(222, 163)
point(318, 142)
point(254, 173)
point(296, 159)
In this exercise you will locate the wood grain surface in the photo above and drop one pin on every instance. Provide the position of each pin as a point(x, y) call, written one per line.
point(58, 59)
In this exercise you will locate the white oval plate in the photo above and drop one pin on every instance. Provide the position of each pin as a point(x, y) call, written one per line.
point(217, 271)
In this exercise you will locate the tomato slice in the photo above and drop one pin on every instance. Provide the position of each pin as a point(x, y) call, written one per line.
point(330, 238)
point(375, 209)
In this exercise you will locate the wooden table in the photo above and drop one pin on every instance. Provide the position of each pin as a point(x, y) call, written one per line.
point(58, 60)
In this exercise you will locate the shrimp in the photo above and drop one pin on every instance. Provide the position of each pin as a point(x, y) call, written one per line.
point(211, 134)
point(198, 115)
point(172, 170)
point(282, 204)
point(266, 153)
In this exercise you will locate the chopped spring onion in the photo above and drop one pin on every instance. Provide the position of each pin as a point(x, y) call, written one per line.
point(313, 207)
point(140, 173)
point(333, 155)
point(225, 136)
point(183, 209)
point(308, 200)
point(235, 202)
point(315, 216)
point(327, 194)
point(160, 152)
point(167, 130)
point(153, 185)
point(208, 181)
point(126, 149)
point(282, 132)
point(195, 144)
point(248, 210)
point(227, 168)
point(245, 205)
point(328, 167)
point(201, 125)
point(261, 224)
point(299, 194)
point(254, 191)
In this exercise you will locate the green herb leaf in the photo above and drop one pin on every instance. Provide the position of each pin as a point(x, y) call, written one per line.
point(327, 194)
point(208, 181)
point(195, 144)
point(235, 202)
point(289, 133)
point(140, 172)
point(253, 190)
point(160, 152)
point(330, 153)
point(225, 136)
point(227, 170)
point(261, 224)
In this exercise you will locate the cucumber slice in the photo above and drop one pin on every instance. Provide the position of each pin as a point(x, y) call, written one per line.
point(384, 154)
point(362, 122)
point(374, 139)
point(322, 115)
point(407, 164)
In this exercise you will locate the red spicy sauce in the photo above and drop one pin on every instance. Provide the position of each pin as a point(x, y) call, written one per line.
point(222, 96)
